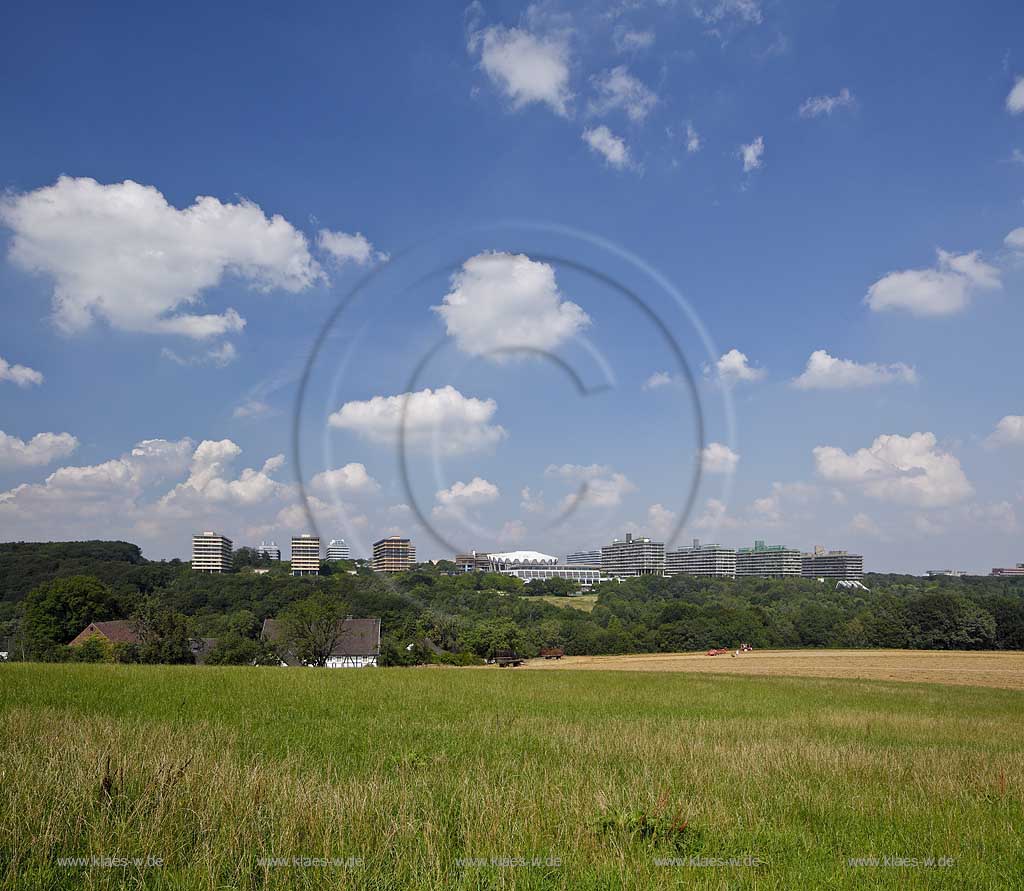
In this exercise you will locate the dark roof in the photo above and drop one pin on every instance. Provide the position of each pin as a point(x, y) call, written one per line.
point(358, 637)
point(117, 631)
point(201, 647)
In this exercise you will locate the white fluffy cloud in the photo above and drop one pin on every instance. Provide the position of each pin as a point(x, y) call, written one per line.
point(900, 469)
point(752, 154)
point(1015, 98)
point(121, 253)
point(734, 367)
point(659, 379)
point(500, 303)
point(617, 89)
point(717, 457)
point(21, 375)
point(660, 520)
point(609, 146)
point(816, 106)
point(462, 496)
point(825, 372)
point(455, 423)
point(43, 448)
point(601, 486)
point(209, 479)
point(344, 248)
point(352, 478)
point(1015, 239)
point(627, 41)
point(943, 290)
point(693, 141)
point(1009, 431)
point(526, 67)
point(715, 11)
point(532, 502)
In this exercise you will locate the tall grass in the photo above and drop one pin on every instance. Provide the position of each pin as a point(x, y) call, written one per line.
point(403, 775)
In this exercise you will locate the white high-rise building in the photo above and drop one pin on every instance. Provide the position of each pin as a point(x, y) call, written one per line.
point(633, 556)
point(211, 552)
point(824, 564)
point(305, 554)
point(584, 558)
point(768, 561)
point(270, 550)
point(705, 560)
point(338, 550)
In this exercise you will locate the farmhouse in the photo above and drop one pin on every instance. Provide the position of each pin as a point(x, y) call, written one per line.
point(357, 644)
point(117, 631)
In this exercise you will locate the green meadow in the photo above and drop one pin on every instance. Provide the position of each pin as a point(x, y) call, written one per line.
point(217, 778)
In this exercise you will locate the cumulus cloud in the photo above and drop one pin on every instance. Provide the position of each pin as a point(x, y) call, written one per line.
point(715, 11)
point(43, 448)
point(526, 67)
point(1015, 98)
point(693, 140)
point(617, 89)
point(1009, 432)
point(502, 303)
point(21, 375)
point(352, 478)
point(462, 496)
point(658, 380)
point(344, 248)
point(900, 469)
point(455, 423)
point(123, 254)
point(611, 147)
point(1015, 239)
point(512, 532)
point(600, 485)
point(251, 408)
point(660, 520)
point(825, 372)
point(532, 502)
point(734, 367)
point(816, 106)
point(752, 154)
point(715, 516)
point(210, 479)
point(628, 41)
point(864, 525)
point(944, 290)
point(717, 457)
point(220, 356)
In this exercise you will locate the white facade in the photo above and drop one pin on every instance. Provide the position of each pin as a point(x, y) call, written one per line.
point(270, 550)
point(768, 561)
point(338, 550)
point(584, 558)
point(305, 554)
point(211, 552)
point(704, 560)
point(632, 557)
point(824, 564)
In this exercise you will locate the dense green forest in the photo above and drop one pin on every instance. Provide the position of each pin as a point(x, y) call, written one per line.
point(50, 591)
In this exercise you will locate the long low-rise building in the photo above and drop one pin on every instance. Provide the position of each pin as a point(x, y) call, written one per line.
point(529, 566)
point(1014, 570)
point(702, 559)
point(584, 558)
point(824, 564)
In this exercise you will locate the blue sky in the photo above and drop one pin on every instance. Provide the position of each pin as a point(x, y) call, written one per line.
point(780, 184)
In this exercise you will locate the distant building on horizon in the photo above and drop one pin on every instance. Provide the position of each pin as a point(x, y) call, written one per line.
point(632, 557)
point(269, 550)
point(211, 552)
point(824, 564)
point(338, 550)
point(393, 554)
point(584, 558)
point(473, 561)
point(306, 554)
point(1015, 570)
point(768, 561)
point(703, 560)
point(951, 573)
point(529, 566)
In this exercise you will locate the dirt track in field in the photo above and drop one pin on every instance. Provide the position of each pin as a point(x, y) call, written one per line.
point(979, 669)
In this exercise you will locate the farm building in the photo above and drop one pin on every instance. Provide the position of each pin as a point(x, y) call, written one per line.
point(357, 644)
point(117, 631)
